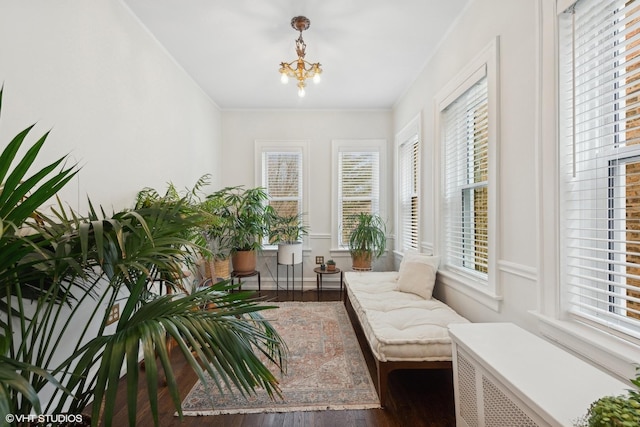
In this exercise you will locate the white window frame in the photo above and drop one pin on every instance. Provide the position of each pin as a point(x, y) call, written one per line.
point(284, 146)
point(410, 134)
point(611, 353)
point(485, 64)
point(355, 145)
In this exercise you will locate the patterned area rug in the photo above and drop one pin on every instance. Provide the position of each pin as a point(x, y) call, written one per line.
point(325, 369)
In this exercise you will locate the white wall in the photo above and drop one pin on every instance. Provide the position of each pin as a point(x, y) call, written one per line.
point(528, 259)
point(117, 102)
point(517, 25)
point(320, 127)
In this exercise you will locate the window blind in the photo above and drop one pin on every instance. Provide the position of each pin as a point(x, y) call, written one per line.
point(600, 161)
point(358, 188)
point(466, 140)
point(283, 181)
point(409, 178)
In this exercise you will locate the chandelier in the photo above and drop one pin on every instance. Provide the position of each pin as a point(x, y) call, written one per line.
point(300, 69)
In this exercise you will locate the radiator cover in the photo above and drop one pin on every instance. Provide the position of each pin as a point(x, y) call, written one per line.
point(483, 402)
point(505, 376)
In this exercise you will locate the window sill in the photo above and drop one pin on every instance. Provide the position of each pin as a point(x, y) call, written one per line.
point(612, 354)
point(470, 288)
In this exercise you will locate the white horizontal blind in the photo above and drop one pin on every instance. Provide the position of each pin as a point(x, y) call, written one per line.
point(358, 188)
point(600, 158)
point(408, 163)
point(282, 178)
point(466, 139)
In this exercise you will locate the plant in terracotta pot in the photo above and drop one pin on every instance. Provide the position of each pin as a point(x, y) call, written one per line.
point(188, 203)
point(192, 201)
point(286, 231)
point(217, 234)
point(243, 211)
point(367, 240)
point(331, 265)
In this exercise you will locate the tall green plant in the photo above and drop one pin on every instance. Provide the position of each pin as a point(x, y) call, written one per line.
point(244, 212)
point(368, 235)
point(284, 228)
point(60, 274)
point(192, 202)
point(20, 197)
point(218, 233)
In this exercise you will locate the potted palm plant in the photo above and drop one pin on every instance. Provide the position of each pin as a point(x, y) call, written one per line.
point(367, 240)
point(61, 273)
point(286, 231)
point(217, 234)
point(243, 213)
point(203, 234)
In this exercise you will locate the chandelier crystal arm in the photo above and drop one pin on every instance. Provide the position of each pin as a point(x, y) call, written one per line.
point(301, 46)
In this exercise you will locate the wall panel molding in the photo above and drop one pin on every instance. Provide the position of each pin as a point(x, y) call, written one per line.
point(520, 270)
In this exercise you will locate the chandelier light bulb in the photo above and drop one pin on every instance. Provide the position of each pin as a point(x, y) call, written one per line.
point(301, 92)
point(316, 78)
point(284, 78)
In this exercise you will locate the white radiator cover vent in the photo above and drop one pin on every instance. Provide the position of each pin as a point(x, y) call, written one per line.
point(500, 410)
point(481, 401)
point(467, 386)
point(505, 376)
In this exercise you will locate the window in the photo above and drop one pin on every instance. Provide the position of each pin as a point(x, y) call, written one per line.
point(281, 171)
point(408, 155)
point(466, 180)
point(600, 163)
point(468, 173)
point(282, 180)
point(358, 187)
point(358, 165)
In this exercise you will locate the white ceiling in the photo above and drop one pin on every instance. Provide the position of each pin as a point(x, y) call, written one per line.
point(370, 50)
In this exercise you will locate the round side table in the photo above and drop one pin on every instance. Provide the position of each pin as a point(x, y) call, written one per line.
point(240, 276)
point(320, 272)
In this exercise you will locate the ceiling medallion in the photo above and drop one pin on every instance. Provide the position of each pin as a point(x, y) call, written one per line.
point(300, 68)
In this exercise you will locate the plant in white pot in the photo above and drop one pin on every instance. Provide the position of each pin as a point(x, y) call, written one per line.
point(286, 231)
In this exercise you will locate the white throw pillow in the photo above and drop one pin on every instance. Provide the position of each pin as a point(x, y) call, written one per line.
point(417, 274)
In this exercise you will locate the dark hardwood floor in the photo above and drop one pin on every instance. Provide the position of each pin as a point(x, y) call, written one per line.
point(417, 398)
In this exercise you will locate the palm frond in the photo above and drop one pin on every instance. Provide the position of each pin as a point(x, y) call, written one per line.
point(12, 382)
point(221, 342)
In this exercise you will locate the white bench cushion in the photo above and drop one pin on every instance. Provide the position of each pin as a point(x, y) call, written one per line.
point(400, 326)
